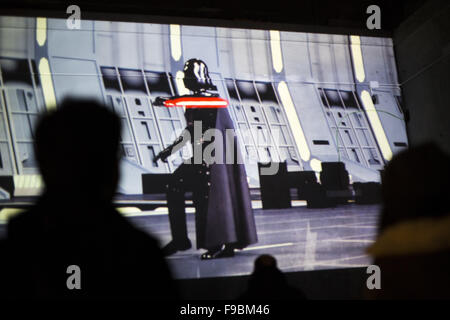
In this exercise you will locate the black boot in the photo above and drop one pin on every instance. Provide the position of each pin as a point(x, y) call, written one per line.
point(224, 251)
point(173, 247)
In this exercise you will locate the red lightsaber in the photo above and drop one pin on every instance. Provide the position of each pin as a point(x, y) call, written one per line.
point(197, 102)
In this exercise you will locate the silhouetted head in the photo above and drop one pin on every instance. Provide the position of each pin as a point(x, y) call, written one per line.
point(265, 262)
point(266, 278)
point(77, 148)
point(196, 76)
point(416, 183)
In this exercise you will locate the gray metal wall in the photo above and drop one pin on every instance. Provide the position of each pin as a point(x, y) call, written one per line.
point(137, 61)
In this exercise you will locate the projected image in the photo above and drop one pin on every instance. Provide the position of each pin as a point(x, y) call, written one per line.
point(295, 130)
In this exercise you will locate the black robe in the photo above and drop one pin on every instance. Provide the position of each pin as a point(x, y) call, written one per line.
point(226, 214)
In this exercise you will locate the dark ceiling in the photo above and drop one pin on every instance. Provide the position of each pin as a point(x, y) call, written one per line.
point(316, 13)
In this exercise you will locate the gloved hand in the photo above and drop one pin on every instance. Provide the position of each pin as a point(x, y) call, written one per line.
point(163, 155)
point(159, 101)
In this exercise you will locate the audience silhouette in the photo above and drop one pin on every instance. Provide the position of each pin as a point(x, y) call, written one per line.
point(412, 249)
point(74, 222)
point(73, 244)
point(267, 282)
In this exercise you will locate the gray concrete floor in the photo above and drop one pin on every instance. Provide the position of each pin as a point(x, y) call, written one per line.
point(300, 239)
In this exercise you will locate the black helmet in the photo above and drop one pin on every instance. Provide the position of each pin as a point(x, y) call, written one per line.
point(196, 76)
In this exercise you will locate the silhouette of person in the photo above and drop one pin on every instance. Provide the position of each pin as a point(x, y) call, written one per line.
point(74, 222)
point(412, 248)
point(267, 282)
point(223, 213)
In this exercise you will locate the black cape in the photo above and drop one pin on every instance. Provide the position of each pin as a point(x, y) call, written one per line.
point(229, 216)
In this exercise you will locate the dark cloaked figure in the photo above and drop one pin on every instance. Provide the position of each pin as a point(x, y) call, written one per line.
point(224, 216)
point(75, 224)
point(267, 282)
